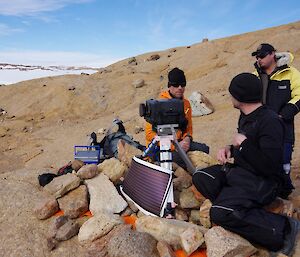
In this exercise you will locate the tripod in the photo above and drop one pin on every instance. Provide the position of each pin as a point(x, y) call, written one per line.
point(166, 135)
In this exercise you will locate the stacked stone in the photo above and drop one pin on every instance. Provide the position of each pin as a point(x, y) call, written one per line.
point(91, 187)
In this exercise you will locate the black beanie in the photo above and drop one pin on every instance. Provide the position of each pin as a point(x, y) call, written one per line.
point(246, 88)
point(176, 77)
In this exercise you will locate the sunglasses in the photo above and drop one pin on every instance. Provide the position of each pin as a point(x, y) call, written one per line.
point(261, 55)
point(176, 85)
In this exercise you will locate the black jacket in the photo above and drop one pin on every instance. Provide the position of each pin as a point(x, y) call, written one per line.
point(258, 161)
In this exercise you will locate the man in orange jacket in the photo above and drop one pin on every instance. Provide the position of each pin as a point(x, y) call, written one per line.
point(176, 88)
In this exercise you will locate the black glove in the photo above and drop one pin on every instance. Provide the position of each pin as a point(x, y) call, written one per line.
point(288, 111)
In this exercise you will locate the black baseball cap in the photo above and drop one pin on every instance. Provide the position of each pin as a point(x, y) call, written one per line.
point(263, 50)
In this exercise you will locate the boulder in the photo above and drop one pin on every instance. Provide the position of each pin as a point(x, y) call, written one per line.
point(182, 182)
point(181, 214)
point(112, 168)
point(153, 57)
point(195, 217)
point(222, 243)
point(204, 213)
point(46, 207)
point(97, 226)
point(168, 230)
point(138, 83)
point(98, 248)
point(200, 104)
point(62, 184)
point(52, 243)
point(191, 239)
point(164, 249)
point(77, 164)
point(179, 171)
point(75, 202)
point(132, 243)
point(126, 152)
point(104, 196)
point(88, 171)
point(56, 224)
point(132, 61)
point(187, 199)
point(67, 230)
point(201, 160)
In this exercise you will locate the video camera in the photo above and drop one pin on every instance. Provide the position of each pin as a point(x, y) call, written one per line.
point(164, 112)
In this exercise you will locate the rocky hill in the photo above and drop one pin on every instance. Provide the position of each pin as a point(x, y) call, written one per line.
point(46, 117)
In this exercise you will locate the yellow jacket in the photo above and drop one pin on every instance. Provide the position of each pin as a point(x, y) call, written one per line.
point(283, 92)
point(150, 134)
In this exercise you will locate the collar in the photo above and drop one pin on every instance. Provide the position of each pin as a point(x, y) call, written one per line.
point(253, 114)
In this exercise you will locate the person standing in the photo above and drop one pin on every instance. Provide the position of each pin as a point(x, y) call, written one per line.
point(281, 92)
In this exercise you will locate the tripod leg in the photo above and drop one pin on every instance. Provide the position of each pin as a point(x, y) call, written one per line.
point(184, 157)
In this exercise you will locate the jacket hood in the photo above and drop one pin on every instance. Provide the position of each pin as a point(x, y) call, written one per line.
point(284, 58)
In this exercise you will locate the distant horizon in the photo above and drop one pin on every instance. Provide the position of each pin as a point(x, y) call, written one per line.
point(97, 33)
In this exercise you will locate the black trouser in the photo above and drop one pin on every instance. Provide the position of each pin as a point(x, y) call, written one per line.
point(194, 146)
point(239, 211)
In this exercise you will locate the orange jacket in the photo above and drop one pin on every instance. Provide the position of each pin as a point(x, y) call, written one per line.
point(150, 134)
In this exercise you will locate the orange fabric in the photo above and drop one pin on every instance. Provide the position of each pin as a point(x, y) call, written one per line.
point(61, 213)
point(87, 213)
point(130, 220)
point(197, 194)
point(150, 134)
point(198, 253)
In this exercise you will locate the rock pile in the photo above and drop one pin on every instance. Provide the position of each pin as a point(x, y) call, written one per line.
point(103, 233)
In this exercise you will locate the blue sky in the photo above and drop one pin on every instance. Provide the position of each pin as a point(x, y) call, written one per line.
point(99, 32)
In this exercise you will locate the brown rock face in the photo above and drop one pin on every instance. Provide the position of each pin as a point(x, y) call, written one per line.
point(88, 171)
point(77, 164)
point(220, 242)
point(75, 202)
point(62, 184)
point(132, 243)
point(67, 231)
point(126, 152)
point(165, 250)
point(45, 208)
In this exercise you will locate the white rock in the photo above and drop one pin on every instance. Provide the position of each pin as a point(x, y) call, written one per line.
point(62, 184)
point(167, 230)
point(104, 196)
point(97, 226)
point(200, 104)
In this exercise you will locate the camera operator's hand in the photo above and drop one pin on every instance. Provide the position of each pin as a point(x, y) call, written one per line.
point(185, 143)
point(238, 139)
point(224, 154)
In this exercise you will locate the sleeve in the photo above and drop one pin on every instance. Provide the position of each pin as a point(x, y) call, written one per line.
point(293, 106)
point(266, 156)
point(150, 134)
point(188, 116)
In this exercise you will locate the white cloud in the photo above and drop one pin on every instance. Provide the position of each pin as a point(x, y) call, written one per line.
point(47, 58)
point(33, 7)
point(6, 30)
